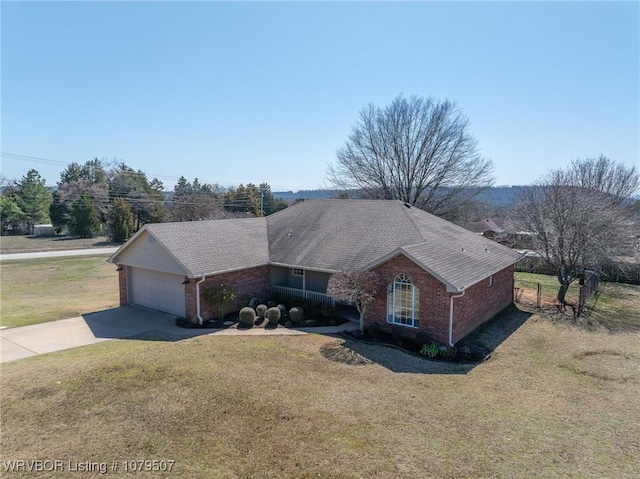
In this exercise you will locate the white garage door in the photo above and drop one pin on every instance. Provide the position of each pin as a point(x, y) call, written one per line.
point(156, 290)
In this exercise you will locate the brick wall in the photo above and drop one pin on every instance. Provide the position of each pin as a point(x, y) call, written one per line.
point(434, 299)
point(122, 283)
point(482, 302)
point(479, 304)
point(246, 284)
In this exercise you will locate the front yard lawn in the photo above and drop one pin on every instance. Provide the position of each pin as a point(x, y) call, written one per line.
point(554, 400)
point(40, 290)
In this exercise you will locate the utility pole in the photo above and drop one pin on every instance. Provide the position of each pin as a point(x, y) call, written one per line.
point(262, 202)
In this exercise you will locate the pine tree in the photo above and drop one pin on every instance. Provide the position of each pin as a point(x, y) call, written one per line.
point(84, 221)
point(33, 198)
point(122, 222)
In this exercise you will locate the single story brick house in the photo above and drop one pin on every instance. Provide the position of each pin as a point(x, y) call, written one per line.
point(439, 278)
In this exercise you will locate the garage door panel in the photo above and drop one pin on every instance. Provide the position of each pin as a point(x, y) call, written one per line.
point(157, 290)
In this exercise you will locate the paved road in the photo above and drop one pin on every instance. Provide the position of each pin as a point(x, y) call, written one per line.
point(57, 254)
point(120, 323)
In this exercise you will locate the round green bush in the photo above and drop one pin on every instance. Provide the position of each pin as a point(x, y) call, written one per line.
point(261, 310)
point(283, 310)
point(247, 316)
point(296, 314)
point(273, 315)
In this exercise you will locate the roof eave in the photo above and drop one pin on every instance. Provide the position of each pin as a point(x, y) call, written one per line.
point(451, 288)
point(129, 242)
point(286, 265)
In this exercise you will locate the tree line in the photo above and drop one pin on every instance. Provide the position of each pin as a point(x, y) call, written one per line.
point(116, 200)
point(420, 151)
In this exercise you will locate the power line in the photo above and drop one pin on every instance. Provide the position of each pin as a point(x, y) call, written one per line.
point(47, 161)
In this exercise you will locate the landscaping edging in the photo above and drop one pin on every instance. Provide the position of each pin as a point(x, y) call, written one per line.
point(406, 351)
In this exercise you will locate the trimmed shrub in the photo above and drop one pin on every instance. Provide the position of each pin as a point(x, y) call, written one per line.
point(327, 311)
point(247, 316)
point(273, 315)
point(254, 302)
point(261, 310)
point(374, 330)
point(271, 304)
point(283, 310)
point(297, 315)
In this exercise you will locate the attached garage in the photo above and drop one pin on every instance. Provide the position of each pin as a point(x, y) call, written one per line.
point(157, 290)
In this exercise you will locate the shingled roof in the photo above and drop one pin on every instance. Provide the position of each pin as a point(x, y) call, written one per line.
point(209, 247)
point(335, 235)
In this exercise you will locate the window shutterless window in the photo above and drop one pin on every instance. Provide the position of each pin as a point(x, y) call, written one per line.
point(297, 271)
point(403, 302)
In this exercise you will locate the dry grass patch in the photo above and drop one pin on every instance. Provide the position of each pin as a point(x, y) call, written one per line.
point(276, 407)
point(40, 290)
point(28, 244)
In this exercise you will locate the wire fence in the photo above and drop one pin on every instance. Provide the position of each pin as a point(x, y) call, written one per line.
point(581, 296)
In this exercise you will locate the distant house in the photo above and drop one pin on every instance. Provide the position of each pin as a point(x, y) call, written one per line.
point(439, 278)
point(488, 228)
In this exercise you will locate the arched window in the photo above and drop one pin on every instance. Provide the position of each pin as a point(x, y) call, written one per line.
point(403, 302)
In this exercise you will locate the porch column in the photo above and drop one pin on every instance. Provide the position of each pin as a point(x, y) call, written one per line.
point(304, 284)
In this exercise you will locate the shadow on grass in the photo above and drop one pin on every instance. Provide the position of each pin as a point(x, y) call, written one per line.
point(489, 335)
point(598, 319)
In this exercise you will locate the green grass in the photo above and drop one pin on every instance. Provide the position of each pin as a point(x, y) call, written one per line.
point(550, 286)
point(554, 400)
point(612, 308)
point(40, 290)
point(28, 244)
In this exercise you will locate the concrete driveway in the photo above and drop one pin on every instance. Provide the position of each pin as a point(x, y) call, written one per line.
point(118, 323)
point(57, 254)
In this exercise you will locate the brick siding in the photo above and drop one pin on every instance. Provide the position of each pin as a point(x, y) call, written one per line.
point(122, 283)
point(245, 284)
point(482, 302)
point(479, 304)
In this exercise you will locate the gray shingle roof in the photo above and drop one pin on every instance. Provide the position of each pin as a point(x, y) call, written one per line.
point(336, 235)
point(205, 247)
point(355, 234)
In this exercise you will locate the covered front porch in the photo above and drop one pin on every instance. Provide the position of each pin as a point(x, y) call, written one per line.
point(301, 283)
point(312, 296)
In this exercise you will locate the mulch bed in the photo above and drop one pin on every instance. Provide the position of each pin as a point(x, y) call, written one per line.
point(464, 353)
point(234, 319)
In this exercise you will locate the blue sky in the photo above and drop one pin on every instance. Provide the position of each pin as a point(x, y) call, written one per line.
point(251, 92)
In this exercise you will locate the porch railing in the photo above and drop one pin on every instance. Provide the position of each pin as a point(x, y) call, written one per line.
point(312, 296)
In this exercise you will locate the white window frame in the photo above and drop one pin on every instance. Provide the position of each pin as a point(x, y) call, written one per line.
point(297, 272)
point(395, 302)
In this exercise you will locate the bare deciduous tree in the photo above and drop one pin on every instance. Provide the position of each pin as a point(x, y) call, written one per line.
point(358, 287)
point(580, 217)
point(415, 150)
point(606, 176)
